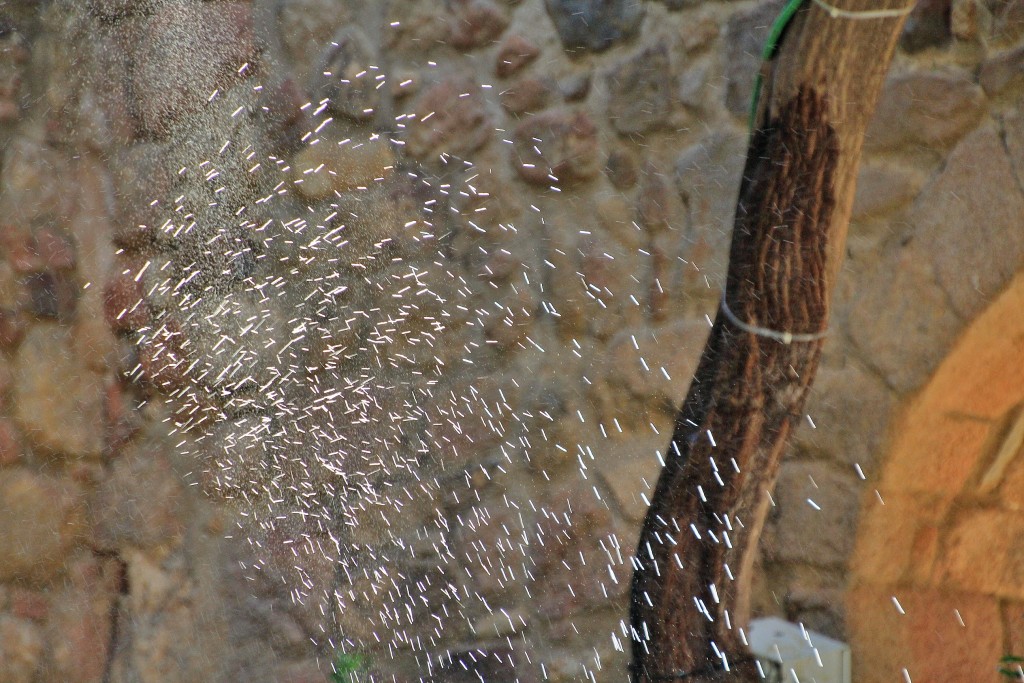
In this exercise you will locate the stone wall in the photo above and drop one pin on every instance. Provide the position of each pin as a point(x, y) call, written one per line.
point(333, 326)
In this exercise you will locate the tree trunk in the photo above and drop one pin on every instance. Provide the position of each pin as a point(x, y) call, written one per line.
point(691, 581)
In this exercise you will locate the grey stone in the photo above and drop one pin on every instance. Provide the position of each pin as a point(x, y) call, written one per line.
point(973, 205)
point(58, 398)
point(40, 520)
point(185, 53)
point(346, 76)
point(708, 177)
point(932, 109)
point(970, 20)
point(1013, 132)
point(745, 35)
point(900, 318)
point(639, 91)
point(21, 649)
point(558, 146)
point(849, 410)
point(1008, 24)
point(815, 515)
point(1002, 71)
point(140, 503)
point(927, 26)
point(594, 25)
point(882, 188)
point(451, 118)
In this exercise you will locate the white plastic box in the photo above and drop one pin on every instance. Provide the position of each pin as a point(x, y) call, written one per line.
point(789, 653)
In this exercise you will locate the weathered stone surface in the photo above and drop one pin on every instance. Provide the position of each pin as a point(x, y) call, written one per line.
point(509, 327)
point(497, 665)
point(924, 108)
point(51, 295)
point(58, 398)
point(622, 169)
point(655, 364)
point(694, 85)
point(594, 26)
point(1002, 72)
point(631, 469)
point(476, 23)
point(514, 54)
point(818, 609)
point(103, 117)
point(640, 99)
point(898, 541)
point(12, 66)
point(302, 672)
point(973, 203)
point(1013, 618)
point(140, 504)
point(112, 10)
point(927, 639)
point(186, 52)
point(1013, 134)
point(575, 574)
point(79, 623)
point(657, 205)
point(42, 521)
point(417, 25)
point(708, 179)
point(936, 453)
point(347, 76)
point(12, 329)
point(450, 118)
point(161, 360)
point(124, 305)
point(883, 188)
point(743, 41)
point(607, 285)
point(850, 410)
point(31, 182)
point(575, 88)
point(527, 95)
point(927, 26)
point(21, 649)
point(10, 443)
point(556, 147)
point(815, 514)
point(456, 435)
point(593, 254)
point(1008, 24)
point(494, 544)
point(979, 378)
point(329, 167)
point(977, 558)
point(138, 176)
point(902, 322)
point(970, 20)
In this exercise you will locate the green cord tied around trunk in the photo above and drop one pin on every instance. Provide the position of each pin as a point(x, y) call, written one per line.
point(771, 46)
point(781, 23)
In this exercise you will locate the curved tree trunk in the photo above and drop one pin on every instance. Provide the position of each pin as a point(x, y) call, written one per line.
point(693, 563)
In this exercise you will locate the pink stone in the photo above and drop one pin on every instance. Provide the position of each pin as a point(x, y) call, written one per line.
point(515, 53)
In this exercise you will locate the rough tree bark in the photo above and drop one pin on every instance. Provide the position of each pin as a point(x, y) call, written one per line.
point(691, 581)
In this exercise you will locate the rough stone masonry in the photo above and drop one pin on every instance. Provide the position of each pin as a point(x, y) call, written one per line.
point(536, 198)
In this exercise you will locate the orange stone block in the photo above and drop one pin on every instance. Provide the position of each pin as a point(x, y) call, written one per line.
point(983, 553)
point(938, 637)
point(898, 541)
point(984, 372)
point(934, 452)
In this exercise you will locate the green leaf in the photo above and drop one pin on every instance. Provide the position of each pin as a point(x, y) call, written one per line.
point(347, 666)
